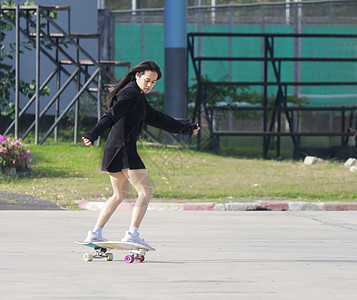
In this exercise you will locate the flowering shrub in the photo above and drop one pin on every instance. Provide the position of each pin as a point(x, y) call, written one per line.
point(13, 153)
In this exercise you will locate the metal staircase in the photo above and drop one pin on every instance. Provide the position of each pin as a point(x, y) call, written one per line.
point(72, 63)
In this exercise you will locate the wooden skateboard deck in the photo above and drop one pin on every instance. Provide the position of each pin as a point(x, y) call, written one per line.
point(137, 251)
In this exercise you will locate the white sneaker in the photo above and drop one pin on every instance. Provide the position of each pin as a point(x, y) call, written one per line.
point(94, 237)
point(129, 237)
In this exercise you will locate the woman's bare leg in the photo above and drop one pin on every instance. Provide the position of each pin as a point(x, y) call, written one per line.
point(120, 185)
point(141, 182)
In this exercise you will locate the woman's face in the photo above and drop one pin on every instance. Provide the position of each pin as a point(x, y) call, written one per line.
point(146, 81)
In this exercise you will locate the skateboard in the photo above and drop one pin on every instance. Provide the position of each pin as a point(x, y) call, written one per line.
point(137, 251)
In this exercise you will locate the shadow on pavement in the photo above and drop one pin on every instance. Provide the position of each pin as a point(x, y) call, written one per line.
point(10, 201)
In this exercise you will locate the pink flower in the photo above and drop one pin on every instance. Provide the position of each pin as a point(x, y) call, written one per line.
point(12, 152)
point(97, 196)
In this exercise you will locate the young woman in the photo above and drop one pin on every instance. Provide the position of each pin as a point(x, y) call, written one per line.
point(128, 110)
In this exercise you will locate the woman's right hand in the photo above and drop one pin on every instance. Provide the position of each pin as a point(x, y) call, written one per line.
point(87, 142)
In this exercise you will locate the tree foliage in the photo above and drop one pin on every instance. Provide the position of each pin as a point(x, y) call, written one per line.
point(233, 95)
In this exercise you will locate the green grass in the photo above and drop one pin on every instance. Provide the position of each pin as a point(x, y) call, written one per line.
point(65, 172)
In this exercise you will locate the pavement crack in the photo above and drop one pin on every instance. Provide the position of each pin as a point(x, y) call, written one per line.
point(320, 220)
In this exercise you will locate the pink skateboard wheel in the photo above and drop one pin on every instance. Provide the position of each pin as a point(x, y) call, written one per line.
point(129, 259)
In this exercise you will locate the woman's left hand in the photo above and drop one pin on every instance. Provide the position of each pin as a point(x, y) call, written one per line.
point(197, 130)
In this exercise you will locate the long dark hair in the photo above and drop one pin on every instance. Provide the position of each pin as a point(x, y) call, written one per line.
point(146, 65)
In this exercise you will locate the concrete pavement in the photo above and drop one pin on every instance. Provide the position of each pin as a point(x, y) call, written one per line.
point(200, 255)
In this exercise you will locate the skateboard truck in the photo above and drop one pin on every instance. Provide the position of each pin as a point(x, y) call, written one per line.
point(136, 254)
point(99, 253)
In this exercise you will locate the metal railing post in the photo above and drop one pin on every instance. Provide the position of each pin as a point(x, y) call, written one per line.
point(17, 72)
point(37, 102)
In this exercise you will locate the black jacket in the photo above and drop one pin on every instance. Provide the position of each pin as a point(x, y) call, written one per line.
point(126, 118)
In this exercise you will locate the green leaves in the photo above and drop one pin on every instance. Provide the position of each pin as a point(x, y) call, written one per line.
point(230, 95)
